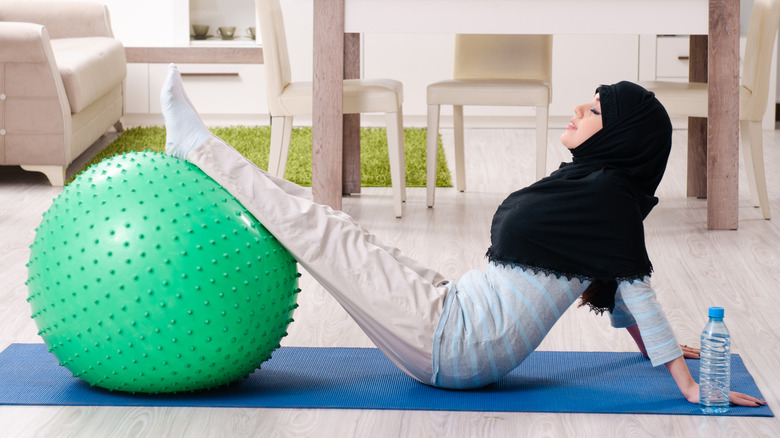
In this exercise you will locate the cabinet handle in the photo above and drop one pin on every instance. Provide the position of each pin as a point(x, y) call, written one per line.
point(209, 74)
point(683, 58)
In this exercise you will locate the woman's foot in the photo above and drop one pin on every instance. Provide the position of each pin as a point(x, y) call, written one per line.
point(184, 130)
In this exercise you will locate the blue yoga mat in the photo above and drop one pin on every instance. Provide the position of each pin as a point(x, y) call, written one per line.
point(362, 378)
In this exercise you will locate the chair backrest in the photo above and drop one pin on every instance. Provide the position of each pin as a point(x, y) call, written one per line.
point(276, 59)
point(503, 57)
point(757, 63)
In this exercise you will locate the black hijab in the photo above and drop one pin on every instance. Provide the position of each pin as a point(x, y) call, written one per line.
point(585, 220)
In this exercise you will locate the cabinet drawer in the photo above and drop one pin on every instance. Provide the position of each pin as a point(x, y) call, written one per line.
point(215, 88)
point(137, 89)
point(672, 57)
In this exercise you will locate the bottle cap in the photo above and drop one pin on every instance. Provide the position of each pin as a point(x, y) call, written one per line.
point(716, 312)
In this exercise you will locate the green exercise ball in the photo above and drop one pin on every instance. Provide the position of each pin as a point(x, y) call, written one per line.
point(147, 276)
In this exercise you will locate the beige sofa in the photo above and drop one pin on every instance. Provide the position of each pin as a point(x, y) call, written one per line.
point(62, 83)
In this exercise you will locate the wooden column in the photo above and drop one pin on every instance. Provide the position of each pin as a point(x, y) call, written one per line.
point(723, 120)
point(351, 136)
point(697, 126)
point(327, 125)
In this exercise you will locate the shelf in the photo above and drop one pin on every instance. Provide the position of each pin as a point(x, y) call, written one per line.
point(219, 42)
point(212, 54)
point(239, 14)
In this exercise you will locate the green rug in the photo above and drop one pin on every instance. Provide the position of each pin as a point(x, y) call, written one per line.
point(254, 143)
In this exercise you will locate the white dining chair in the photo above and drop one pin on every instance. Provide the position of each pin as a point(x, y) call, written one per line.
point(287, 99)
point(491, 70)
point(690, 98)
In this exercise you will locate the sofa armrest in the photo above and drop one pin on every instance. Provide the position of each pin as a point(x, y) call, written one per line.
point(33, 101)
point(61, 19)
point(23, 42)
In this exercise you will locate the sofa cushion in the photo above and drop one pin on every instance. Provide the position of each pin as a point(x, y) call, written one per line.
point(90, 67)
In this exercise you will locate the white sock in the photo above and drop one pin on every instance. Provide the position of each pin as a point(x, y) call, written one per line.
point(184, 130)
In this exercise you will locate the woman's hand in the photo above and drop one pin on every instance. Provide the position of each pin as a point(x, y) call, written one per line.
point(690, 389)
point(735, 398)
point(739, 399)
point(690, 352)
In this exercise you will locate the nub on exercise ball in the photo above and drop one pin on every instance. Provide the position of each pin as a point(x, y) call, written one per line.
point(147, 276)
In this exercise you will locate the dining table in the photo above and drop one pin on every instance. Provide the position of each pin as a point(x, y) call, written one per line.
point(713, 156)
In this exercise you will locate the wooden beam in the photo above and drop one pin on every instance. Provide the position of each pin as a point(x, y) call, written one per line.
point(351, 136)
point(327, 120)
point(697, 126)
point(723, 124)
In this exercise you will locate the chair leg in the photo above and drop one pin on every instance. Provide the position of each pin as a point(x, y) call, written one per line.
point(402, 153)
point(119, 126)
point(56, 174)
point(541, 142)
point(281, 131)
point(460, 161)
point(747, 154)
point(753, 153)
point(395, 146)
point(432, 151)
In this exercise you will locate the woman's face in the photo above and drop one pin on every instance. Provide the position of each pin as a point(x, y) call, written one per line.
point(586, 122)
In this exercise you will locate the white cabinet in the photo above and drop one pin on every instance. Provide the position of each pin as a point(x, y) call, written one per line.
point(137, 89)
point(672, 58)
point(216, 86)
point(222, 89)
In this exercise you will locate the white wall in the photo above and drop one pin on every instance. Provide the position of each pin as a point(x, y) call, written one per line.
point(145, 22)
point(580, 62)
point(418, 60)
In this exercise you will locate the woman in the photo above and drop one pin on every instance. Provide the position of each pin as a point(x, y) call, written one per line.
point(584, 237)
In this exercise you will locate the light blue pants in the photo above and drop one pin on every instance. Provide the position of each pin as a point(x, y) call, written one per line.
point(493, 320)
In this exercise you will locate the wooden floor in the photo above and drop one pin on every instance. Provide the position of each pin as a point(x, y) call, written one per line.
point(694, 268)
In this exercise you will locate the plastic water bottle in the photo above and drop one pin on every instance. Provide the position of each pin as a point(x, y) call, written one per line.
point(715, 366)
